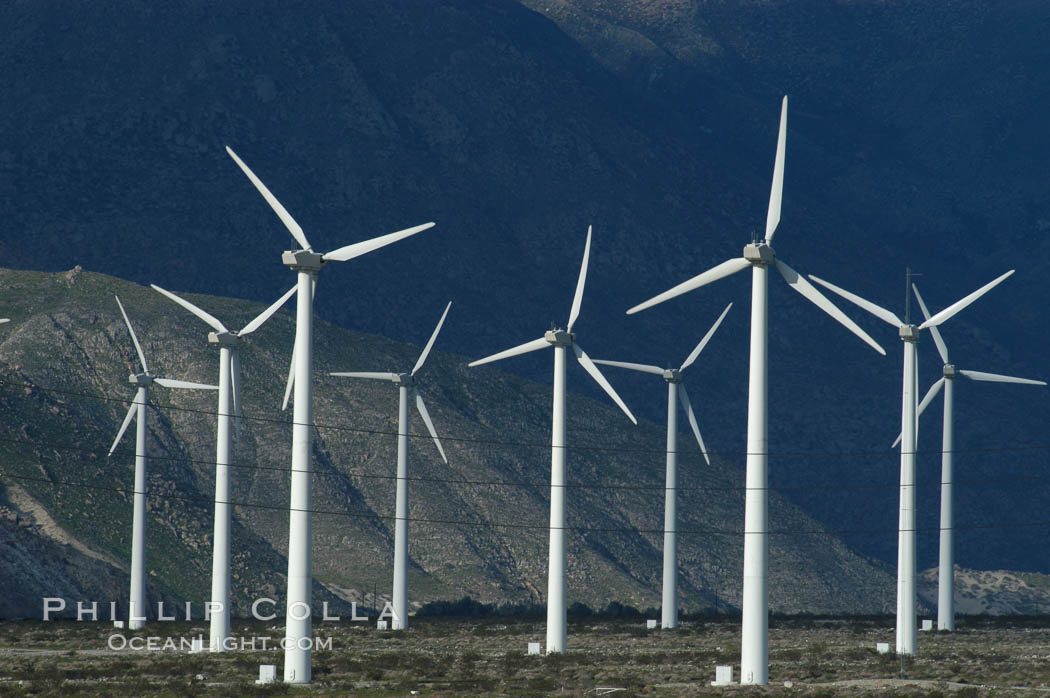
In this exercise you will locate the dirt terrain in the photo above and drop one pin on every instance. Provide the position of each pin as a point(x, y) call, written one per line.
point(461, 656)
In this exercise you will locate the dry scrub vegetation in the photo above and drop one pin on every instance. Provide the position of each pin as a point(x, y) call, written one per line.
point(447, 656)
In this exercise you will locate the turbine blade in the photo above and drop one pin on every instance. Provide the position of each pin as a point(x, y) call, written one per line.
point(715, 273)
point(818, 299)
point(291, 365)
point(644, 368)
point(235, 385)
point(589, 366)
point(359, 248)
point(776, 190)
point(124, 427)
point(525, 348)
point(266, 314)
point(185, 385)
point(960, 304)
point(430, 425)
point(290, 383)
point(212, 321)
point(683, 397)
point(997, 378)
point(375, 375)
point(941, 348)
point(430, 342)
point(926, 400)
point(703, 342)
point(4, 319)
point(134, 339)
point(876, 310)
point(577, 299)
point(294, 228)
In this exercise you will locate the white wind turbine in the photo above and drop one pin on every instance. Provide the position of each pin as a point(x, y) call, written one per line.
point(406, 383)
point(946, 557)
point(909, 334)
point(137, 596)
point(676, 393)
point(229, 405)
point(306, 263)
point(561, 340)
point(754, 636)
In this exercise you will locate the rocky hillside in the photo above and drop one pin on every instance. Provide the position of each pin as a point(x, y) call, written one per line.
point(995, 592)
point(916, 137)
point(479, 523)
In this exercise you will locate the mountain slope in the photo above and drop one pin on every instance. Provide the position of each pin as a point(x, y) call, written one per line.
point(915, 138)
point(479, 523)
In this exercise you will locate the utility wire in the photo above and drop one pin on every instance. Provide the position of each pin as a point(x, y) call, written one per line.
point(534, 444)
point(529, 484)
point(490, 524)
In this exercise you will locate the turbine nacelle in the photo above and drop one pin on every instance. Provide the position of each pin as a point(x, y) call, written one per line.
point(949, 371)
point(405, 379)
point(224, 339)
point(141, 379)
point(759, 254)
point(672, 375)
point(302, 260)
point(559, 338)
point(909, 333)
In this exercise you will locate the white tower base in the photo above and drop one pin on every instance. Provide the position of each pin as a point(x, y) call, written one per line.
point(298, 623)
point(556, 610)
point(754, 636)
point(137, 597)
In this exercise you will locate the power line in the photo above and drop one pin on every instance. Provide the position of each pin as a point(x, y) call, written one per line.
point(534, 484)
point(490, 524)
point(534, 444)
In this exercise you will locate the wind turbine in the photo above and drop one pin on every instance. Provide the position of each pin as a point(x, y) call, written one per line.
point(561, 340)
point(909, 334)
point(406, 383)
point(306, 263)
point(946, 558)
point(137, 596)
point(754, 636)
point(676, 392)
point(229, 405)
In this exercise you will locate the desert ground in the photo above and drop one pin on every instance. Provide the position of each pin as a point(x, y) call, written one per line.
point(488, 656)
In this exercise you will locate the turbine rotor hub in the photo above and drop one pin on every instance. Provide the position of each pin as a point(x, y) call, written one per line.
point(909, 333)
point(224, 339)
point(672, 375)
point(559, 338)
point(405, 379)
point(759, 254)
point(949, 371)
point(302, 260)
point(141, 379)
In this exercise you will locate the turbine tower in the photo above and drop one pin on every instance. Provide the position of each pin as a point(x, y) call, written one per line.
point(946, 556)
point(909, 334)
point(229, 405)
point(676, 393)
point(754, 636)
point(406, 383)
point(137, 595)
point(306, 263)
point(561, 340)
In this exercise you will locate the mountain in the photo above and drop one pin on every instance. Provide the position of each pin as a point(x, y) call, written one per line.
point(915, 137)
point(479, 523)
point(993, 592)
